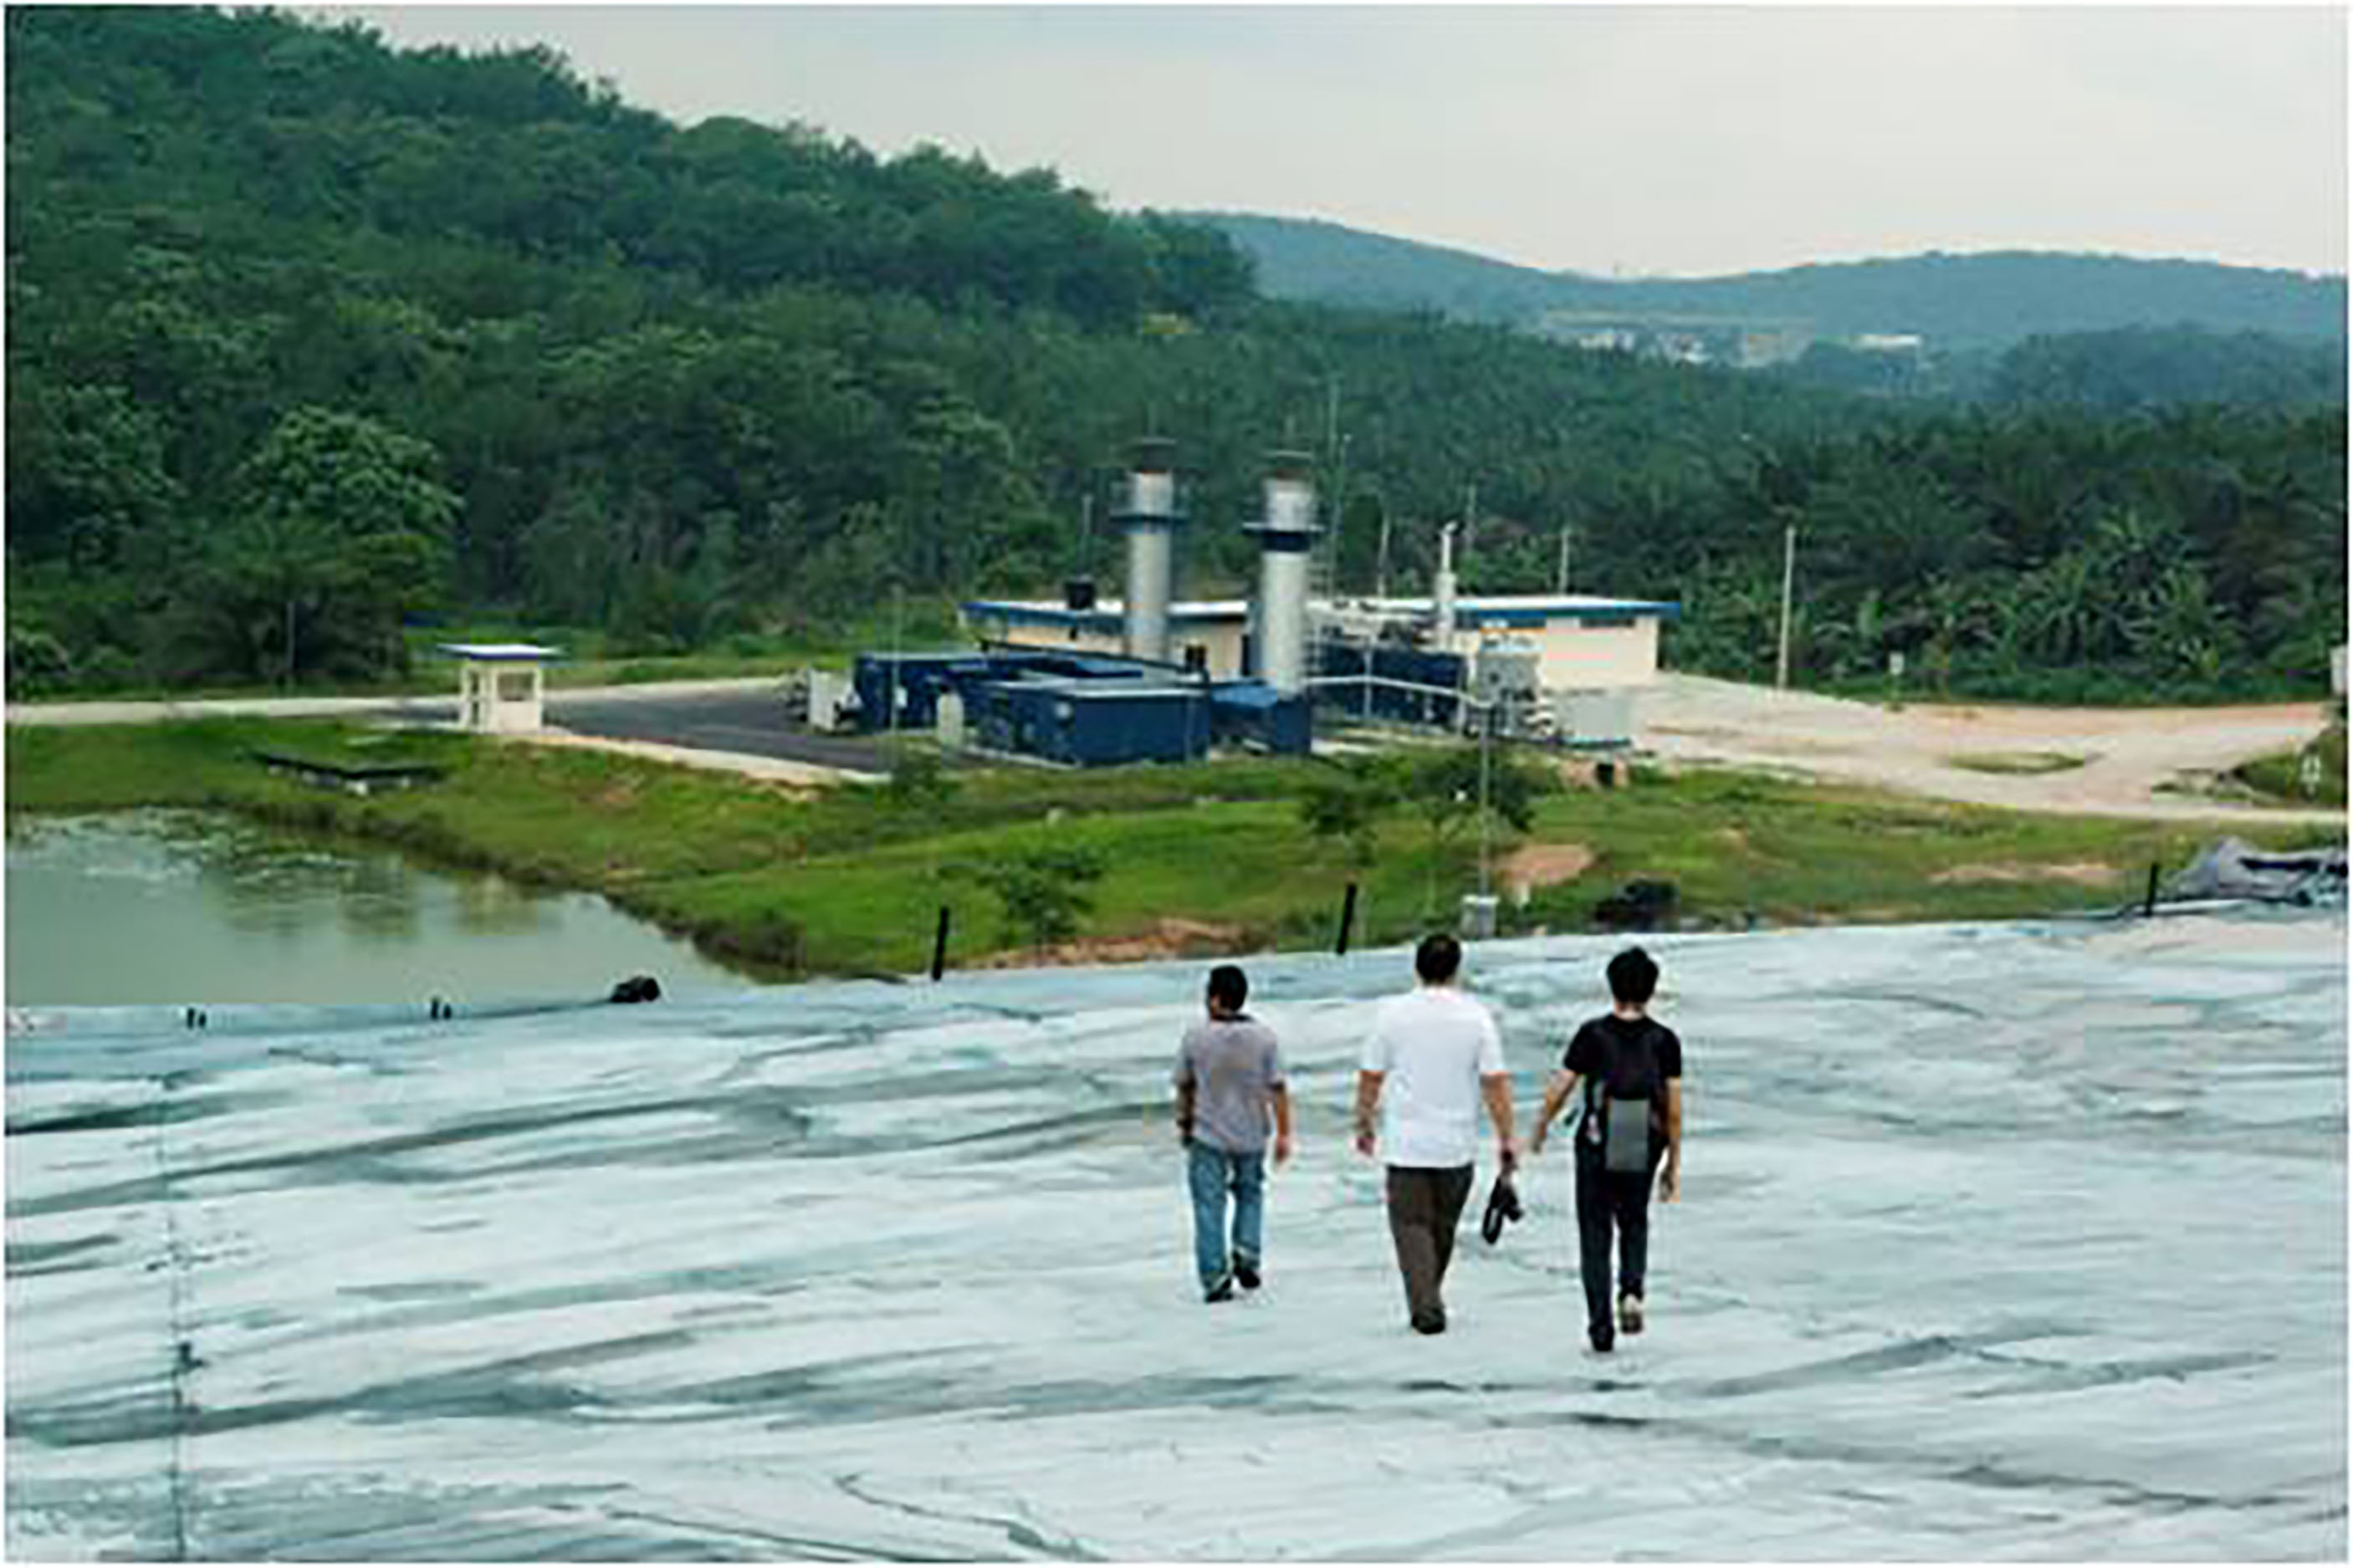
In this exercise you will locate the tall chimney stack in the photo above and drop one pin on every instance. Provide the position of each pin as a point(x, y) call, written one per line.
point(1150, 519)
point(1286, 536)
point(1443, 589)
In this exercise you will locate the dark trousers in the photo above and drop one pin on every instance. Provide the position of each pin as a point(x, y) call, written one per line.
point(1425, 1206)
point(1605, 1201)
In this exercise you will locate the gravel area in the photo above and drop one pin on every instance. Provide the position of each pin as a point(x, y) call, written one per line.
point(2129, 753)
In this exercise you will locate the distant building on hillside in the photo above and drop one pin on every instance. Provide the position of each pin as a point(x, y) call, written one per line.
point(1749, 344)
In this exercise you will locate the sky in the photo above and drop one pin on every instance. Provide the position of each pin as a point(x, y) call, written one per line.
point(1645, 140)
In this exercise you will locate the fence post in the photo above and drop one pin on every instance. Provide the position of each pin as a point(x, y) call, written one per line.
point(940, 945)
point(2149, 904)
point(1348, 921)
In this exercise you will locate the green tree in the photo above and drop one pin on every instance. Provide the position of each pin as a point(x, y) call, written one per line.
point(919, 780)
point(1042, 890)
point(1343, 806)
point(1445, 787)
point(342, 528)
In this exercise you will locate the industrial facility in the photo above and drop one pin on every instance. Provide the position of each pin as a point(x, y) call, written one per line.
point(1150, 677)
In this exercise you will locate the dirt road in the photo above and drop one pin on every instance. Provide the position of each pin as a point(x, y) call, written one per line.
point(2126, 753)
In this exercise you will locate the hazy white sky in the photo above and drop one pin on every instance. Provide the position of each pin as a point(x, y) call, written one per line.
point(1656, 139)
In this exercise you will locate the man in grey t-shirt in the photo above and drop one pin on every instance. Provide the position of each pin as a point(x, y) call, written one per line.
point(1229, 1082)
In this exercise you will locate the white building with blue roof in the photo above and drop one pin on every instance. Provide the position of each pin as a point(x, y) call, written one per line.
point(1583, 643)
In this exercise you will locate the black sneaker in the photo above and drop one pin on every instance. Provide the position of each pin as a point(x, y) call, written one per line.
point(1223, 1290)
point(1430, 1323)
point(1629, 1314)
point(1604, 1341)
point(1245, 1274)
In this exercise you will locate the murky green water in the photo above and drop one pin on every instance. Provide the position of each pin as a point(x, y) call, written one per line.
point(179, 907)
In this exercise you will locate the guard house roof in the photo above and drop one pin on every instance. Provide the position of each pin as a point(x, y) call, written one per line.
point(1492, 609)
point(510, 652)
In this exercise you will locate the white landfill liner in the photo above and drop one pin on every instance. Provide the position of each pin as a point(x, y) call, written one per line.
point(1999, 1241)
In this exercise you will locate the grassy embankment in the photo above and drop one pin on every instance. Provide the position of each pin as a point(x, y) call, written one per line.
point(2283, 777)
point(847, 881)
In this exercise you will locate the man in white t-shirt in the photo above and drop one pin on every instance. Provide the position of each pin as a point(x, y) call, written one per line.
point(1433, 1056)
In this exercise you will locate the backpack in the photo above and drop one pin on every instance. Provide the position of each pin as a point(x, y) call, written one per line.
point(1626, 1102)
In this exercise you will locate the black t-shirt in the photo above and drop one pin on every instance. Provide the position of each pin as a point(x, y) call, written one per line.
point(1587, 1057)
point(1586, 1051)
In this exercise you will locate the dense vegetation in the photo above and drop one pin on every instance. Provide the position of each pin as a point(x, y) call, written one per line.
point(1991, 300)
point(307, 336)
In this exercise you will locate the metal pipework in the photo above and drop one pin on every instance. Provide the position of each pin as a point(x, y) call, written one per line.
point(1150, 519)
point(1286, 536)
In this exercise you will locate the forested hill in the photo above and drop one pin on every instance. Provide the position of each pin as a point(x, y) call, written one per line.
point(307, 336)
point(1989, 299)
point(252, 131)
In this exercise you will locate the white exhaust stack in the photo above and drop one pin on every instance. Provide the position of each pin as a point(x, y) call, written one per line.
point(1286, 536)
point(1443, 589)
point(1150, 519)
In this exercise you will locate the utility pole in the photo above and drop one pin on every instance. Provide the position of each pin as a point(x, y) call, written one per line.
point(1788, 580)
point(1486, 831)
point(1561, 583)
point(898, 669)
point(1381, 562)
point(1331, 541)
point(1326, 570)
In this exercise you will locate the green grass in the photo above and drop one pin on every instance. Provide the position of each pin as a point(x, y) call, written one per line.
point(848, 881)
point(2282, 776)
point(2028, 762)
point(1738, 845)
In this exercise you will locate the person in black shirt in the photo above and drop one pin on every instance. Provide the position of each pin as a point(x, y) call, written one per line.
point(1631, 1066)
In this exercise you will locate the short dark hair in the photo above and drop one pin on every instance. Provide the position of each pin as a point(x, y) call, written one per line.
point(1633, 976)
point(1438, 958)
point(1228, 987)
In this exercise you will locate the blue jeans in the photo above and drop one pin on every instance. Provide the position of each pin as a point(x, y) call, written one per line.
point(1212, 1174)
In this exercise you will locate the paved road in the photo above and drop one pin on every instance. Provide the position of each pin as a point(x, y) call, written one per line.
point(425, 710)
point(2128, 752)
point(743, 723)
point(735, 725)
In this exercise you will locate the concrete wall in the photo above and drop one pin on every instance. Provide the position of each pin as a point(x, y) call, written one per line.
point(1223, 640)
point(1576, 655)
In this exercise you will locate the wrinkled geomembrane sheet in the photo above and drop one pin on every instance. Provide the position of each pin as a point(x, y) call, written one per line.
point(2006, 1241)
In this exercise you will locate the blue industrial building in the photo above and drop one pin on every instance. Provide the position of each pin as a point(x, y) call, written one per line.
point(1092, 708)
point(1091, 723)
point(1078, 710)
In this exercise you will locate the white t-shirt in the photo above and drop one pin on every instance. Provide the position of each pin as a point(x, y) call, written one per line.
point(1433, 1045)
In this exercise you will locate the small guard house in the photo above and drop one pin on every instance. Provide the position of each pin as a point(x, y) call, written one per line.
point(500, 686)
